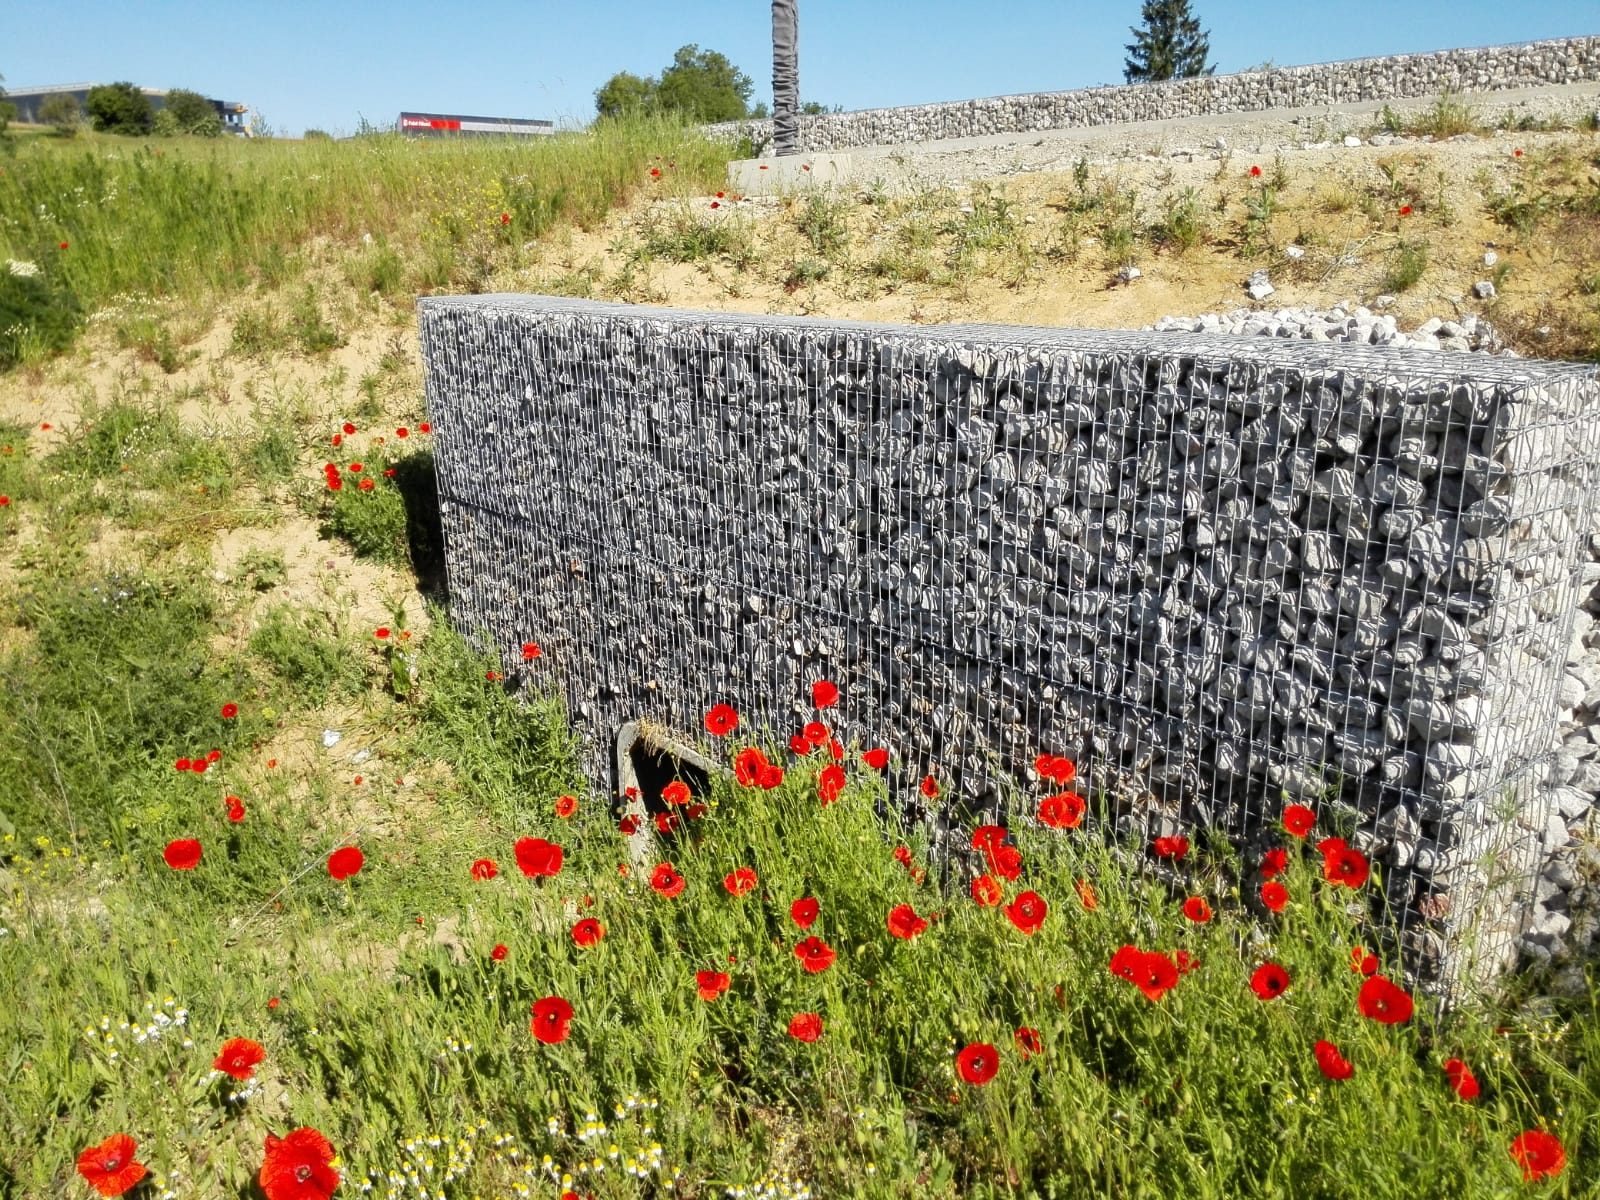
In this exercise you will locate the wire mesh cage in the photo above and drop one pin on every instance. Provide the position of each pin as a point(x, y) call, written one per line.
point(1223, 574)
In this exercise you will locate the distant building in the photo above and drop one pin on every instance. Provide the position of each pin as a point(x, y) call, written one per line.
point(28, 101)
point(445, 124)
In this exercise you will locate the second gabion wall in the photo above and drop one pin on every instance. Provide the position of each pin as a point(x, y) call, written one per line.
point(1220, 574)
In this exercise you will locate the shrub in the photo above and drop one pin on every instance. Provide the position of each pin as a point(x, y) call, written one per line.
point(192, 113)
point(37, 316)
point(372, 521)
point(310, 660)
point(120, 108)
point(62, 113)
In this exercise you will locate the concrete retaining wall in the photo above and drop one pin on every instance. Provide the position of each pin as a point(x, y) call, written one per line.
point(1220, 573)
point(1395, 77)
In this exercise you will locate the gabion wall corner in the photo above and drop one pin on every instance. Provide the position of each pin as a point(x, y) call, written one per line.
point(1220, 572)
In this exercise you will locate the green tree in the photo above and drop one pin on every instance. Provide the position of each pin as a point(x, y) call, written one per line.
point(1170, 44)
point(61, 111)
point(625, 92)
point(194, 114)
point(705, 86)
point(8, 110)
point(120, 108)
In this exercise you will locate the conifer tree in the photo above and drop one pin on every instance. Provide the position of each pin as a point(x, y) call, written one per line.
point(1170, 44)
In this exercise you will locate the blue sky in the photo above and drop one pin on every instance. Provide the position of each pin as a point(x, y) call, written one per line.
point(325, 63)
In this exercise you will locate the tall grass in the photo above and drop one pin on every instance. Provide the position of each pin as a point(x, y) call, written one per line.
point(196, 217)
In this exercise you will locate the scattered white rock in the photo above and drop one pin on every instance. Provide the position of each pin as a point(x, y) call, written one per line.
point(1129, 273)
point(1220, 144)
point(1484, 289)
point(1384, 301)
point(1490, 258)
point(1294, 252)
point(1029, 219)
point(1259, 287)
point(1343, 323)
point(359, 757)
point(330, 738)
point(1352, 141)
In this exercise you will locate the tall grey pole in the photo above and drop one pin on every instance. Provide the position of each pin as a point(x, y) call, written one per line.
point(785, 75)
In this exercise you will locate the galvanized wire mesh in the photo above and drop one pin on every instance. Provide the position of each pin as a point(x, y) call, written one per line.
point(1222, 574)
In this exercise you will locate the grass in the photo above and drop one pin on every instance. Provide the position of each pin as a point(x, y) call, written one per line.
point(202, 218)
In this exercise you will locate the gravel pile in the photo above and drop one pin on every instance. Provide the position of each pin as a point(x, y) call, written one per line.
point(1344, 323)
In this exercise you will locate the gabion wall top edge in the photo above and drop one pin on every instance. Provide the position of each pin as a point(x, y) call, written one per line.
point(1414, 362)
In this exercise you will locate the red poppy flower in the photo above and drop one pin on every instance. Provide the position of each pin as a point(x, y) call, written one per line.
point(740, 881)
point(815, 955)
point(1274, 895)
point(1274, 862)
point(655, 172)
point(274, 1002)
point(815, 733)
point(235, 811)
point(1298, 820)
point(721, 720)
point(711, 984)
point(182, 854)
point(566, 806)
point(748, 765)
point(988, 838)
point(1384, 1001)
point(1028, 1041)
point(1056, 769)
point(110, 1167)
point(830, 782)
point(298, 1167)
point(238, 1057)
point(1255, 172)
point(1125, 962)
point(550, 1019)
point(1539, 1154)
point(904, 922)
point(200, 766)
point(1027, 912)
point(499, 952)
point(424, 427)
point(345, 862)
point(770, 776)
point(1331, 1063)
point(588, 932)
point(902, 855)
point(4, 501)
point(505, 218)
point(714, 204)
point(803, 911)
point(986, 891)
point(930, 787)
point(348, 428)
point(1086, 896)
point(805, 1027)
point(1461, 1078)
point(629, 825)
point(1405, 210)
point(229, 711)
point(1269, 981)
point(1063, 811)
point(63, 245)
point(1345, 866)
point(695, 811)
point(381, 633)
point(1006, 862)
point(977, 1063)
point(1170, 847)
point(484, 868)
point(676, 792)
point(824, 694)
point(836, 749)
point(666, 880)
point(877, 759)
point(355, 467)
point(1187, 962)
point(799, 745)
point(1361, 962)
point(1197, 910)
point(402, 432)
point(1155, 974)
point(536, 857)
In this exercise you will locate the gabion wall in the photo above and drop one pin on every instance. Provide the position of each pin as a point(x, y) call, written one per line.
point(1395, 77)
point(1220, 573)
